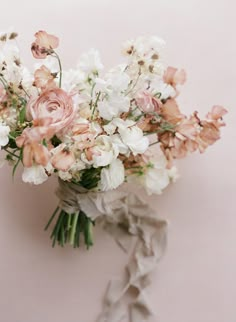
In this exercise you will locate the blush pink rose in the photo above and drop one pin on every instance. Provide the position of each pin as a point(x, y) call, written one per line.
point(44, 44)
point(54, 105)
point(147, 102)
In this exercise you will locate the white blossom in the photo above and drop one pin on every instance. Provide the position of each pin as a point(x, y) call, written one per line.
point(35, 174)
point(134, 139)
point(72, 78)
point(165, 90)
point(113, 106)
point(112, 176)
point(90, 62)
point(155, 180)
point(122, 147)
point(116, 80)
point(111, 127)
point(4, 134)
point(50, 62)
point(102, 153)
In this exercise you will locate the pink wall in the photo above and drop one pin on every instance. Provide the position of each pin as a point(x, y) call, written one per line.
point(196, 280)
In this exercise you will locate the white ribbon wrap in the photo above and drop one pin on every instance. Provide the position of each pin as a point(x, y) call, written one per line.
point(124, 215)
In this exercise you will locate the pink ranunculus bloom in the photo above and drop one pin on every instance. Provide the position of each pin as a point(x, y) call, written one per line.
point(174, 76)
point(63, 159)
point(43, 78)
point(147, 102)
point(44, 44)
point(53, 104)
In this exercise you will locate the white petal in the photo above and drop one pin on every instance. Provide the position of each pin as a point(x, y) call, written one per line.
point(35, 174)
point(113, 176)
point(4, 132)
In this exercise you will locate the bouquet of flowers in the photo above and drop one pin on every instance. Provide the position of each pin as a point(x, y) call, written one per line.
point(95, 130)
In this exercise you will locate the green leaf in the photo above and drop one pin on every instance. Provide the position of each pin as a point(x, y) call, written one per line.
point(12, 143)
point(17, 163)
point(90, 178)
point(44, 142)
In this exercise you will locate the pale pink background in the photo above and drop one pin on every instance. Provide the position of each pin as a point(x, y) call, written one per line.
point(196, 280)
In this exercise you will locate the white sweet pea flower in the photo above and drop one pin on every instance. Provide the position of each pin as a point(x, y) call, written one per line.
point(111, 127)
point(35, 174)
point(147, 45)
point(9, 53)
point(50, 62)
point(113, 106)
point(156, 176)
point(102, 153)
point(90, 62)
point(134, 139)
point(122, 147)
point(72, 78)
point(159, 86)
point(116, 80)
point(27, 80)
point(155, 179)
point(4, 134)
point(112, 176)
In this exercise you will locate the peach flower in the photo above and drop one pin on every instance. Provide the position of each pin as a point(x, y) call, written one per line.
point(35, 153)
point(174, 76)
point(44, 44)
point(210, 132)
point(39, 131)
point(43, 78)
point(191, 134)
point(53, 104)
point(217, 113)
point(147, 102)
point(171, 112)
point(63, 159)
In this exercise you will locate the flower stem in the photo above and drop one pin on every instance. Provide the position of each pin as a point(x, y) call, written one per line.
point(60, 68)
point(73, 228)
point(154, 143)
point(95, 105)
point(51, 218)
point(11, 153)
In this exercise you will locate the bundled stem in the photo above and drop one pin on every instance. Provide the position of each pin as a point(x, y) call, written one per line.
point(69, 227)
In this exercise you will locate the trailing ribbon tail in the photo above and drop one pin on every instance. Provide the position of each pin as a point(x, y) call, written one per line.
point(125, 216)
